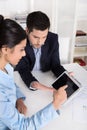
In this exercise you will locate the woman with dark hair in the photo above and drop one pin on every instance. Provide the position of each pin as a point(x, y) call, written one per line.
point(12, 49)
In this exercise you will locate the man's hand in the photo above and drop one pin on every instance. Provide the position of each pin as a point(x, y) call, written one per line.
point(59, 97)
point(40, 86)
point(21, 106)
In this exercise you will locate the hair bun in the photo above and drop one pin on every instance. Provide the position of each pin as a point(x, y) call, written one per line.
point(1, 19)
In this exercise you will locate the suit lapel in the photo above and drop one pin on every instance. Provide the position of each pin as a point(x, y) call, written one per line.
point(30, 54)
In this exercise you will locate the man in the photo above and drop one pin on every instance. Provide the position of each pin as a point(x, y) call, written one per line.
point(42, 51)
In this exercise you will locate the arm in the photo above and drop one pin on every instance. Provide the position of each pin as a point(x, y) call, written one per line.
point(57, 68)
point(36, 85)
point(24, 70)
point(14, 120)
point(21, 107)
point(28, 78)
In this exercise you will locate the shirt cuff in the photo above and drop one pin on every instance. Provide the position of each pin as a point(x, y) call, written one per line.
point(32, 88)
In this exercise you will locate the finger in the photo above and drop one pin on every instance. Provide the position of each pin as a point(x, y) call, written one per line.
point(65, 86)
point(71, 73)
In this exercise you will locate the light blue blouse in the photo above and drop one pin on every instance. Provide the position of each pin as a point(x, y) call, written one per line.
point(10, 118)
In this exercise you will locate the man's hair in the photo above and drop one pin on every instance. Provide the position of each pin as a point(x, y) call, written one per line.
point(37, 20)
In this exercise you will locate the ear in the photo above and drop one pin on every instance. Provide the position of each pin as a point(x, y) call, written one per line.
point(27, 31)
point(5, 50)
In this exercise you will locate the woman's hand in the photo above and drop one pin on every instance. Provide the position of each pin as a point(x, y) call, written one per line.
point(21, 106)
point(59, 97)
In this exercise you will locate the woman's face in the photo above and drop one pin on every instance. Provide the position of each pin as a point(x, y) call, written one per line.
point(14, 54)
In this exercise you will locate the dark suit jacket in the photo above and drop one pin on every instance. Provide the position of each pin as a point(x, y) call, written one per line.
point(49, 59)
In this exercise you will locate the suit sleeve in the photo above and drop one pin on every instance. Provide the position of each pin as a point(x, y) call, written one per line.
point(57, 68)
point(24, 70)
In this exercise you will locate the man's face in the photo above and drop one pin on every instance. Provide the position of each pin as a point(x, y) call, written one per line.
point(37, 37)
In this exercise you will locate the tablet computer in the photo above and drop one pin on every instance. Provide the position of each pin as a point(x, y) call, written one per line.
point(74, 87)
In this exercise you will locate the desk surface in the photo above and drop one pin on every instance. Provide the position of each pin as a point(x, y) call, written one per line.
point(71, 117)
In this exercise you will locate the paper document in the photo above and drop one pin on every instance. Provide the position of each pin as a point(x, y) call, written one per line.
point(80, 107)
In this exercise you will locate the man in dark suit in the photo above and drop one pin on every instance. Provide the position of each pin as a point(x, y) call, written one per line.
point(42, 51)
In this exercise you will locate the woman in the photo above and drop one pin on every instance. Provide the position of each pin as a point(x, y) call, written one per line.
point(12, 49)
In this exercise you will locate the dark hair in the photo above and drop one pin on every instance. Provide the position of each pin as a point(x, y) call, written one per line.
point(11, 33)
point(37, 20)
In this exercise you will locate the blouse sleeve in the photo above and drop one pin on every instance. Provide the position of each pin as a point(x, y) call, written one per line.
point(10, 117)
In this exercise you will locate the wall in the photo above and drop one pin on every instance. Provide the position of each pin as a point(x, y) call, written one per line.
point(62, 14)
point(11, 7)
point(82, 9)
point(82, 15)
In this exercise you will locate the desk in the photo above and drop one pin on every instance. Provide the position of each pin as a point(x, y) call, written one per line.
point(35, 100)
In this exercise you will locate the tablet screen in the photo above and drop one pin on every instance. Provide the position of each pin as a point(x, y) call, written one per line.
point(65, 80)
